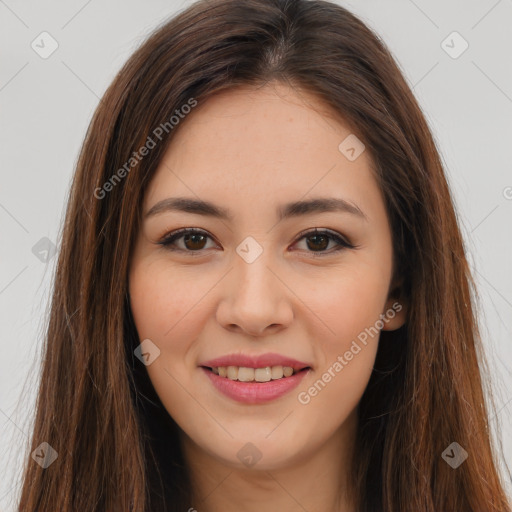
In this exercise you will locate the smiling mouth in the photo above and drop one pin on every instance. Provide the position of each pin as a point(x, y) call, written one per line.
point(245, 374)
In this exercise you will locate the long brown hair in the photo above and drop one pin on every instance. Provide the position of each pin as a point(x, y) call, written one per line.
point(117, 447)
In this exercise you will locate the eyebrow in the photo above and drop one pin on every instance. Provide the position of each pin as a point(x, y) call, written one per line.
point(285, 211)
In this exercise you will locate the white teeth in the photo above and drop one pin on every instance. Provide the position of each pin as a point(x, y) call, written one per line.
point(245, 374)
point(263, 374)
point(233, 372)
point(287, 371)
point(277, 372)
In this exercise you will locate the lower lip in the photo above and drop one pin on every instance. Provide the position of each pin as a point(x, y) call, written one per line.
point(255, 392)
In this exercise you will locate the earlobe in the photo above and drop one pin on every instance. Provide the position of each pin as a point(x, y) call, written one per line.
point(394, 315)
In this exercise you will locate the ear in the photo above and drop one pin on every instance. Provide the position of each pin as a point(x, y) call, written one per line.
point(395, 310)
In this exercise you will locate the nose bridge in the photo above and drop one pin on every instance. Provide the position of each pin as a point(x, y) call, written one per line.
point(257, 298)
point(252, 263)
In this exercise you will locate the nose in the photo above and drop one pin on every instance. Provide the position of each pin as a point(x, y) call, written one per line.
point(256, 299)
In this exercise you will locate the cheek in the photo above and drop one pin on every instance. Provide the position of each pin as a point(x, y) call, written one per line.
point(347, 303)
point(167, 306)
point(349, 307)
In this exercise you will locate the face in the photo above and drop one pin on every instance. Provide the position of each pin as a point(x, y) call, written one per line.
point(252, 291)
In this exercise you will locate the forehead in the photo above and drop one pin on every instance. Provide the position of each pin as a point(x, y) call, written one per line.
point(258, 142)
point(271, 120)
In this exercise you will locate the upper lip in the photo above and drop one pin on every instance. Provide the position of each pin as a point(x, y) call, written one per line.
point(259, 361)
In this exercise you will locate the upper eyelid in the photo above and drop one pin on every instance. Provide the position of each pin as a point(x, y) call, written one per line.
point(321, 231)
point(178, 233)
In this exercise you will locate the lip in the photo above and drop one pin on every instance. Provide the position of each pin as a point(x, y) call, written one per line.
point(260, 361)
point(255, 392)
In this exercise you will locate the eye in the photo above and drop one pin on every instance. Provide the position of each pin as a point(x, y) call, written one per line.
point(195, 240)
point(318, 240)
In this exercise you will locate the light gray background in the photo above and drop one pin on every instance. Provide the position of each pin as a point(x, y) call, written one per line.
point(46, 105)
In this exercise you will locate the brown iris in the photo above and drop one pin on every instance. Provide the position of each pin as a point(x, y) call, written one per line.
point(317, 237)
point(197, 241)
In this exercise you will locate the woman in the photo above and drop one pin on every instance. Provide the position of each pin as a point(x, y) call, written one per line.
point(262, 298)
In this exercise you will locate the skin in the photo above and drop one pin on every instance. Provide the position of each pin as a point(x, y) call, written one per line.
point(251, 150)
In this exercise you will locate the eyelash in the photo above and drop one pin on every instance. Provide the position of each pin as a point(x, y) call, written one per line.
point(168, 240)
